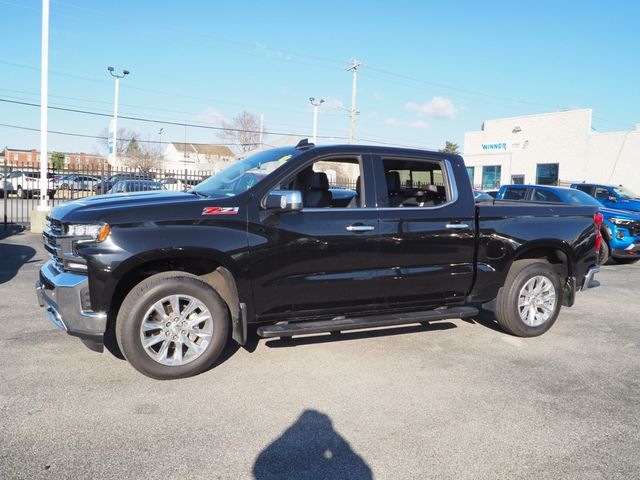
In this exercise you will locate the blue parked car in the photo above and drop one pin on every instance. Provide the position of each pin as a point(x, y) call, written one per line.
point(620, 228)
point(611, 196)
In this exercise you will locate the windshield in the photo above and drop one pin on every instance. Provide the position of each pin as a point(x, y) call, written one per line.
point(576, 197)
point(624, 193)
point(245, 173)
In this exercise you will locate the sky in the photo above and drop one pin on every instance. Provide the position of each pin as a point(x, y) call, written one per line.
point(430, 71)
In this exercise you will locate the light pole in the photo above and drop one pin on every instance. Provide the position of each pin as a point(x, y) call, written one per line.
point(44, 106)
point(315, 115)
point(112, 142)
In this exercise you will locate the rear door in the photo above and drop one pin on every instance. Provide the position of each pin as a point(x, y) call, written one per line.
point(427, 227)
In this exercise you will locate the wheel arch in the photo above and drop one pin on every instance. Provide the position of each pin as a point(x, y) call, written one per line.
point(209, 265)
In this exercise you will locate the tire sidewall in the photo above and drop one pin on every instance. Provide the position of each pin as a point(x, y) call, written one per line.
point(527, 273)
point(131, 317)
point(604, 253)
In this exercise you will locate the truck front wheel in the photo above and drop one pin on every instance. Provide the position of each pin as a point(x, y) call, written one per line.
point(172, 325)
point(529, 302)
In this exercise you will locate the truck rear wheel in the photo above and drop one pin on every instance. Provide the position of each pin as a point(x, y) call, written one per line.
point(172, 325)
point(529, 302)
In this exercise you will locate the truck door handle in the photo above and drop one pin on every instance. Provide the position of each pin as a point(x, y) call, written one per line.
point(360, 228)
point(457, 226)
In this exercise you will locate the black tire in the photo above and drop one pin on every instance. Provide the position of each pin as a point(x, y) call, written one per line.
point(625, 260)
point(20, 193)
point(507, 311)
point(142, 297)
point(604, 252)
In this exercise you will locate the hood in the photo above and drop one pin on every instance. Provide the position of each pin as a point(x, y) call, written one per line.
point(630, 204)
point(626, 214)
point(149, 205)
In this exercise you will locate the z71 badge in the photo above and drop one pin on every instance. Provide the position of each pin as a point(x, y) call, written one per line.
point(219, 210)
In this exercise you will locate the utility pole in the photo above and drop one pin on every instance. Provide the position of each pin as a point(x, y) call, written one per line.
point(261, 129)
point(44, 106)
point(354, 67)
point(112, 142)
point(315, 116)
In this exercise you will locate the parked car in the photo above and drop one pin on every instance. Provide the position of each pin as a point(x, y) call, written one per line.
point(77, 182)
point(620, 228)
point(127, 186)
point(491, 192)
point(26, 183)
point(481, 196)
point(103, 186)
point(611, 196)
point(177, 274)
point(179, 184)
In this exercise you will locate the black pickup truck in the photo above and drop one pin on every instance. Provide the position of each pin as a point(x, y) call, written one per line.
point(307, 239)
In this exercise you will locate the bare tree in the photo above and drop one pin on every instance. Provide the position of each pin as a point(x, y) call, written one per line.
point(145, 156)
point(124, 137)
point(244, 131)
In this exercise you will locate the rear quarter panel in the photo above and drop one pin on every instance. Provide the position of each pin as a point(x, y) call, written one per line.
point(507, 231)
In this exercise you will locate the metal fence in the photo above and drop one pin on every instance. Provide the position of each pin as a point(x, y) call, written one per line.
point(20, 186)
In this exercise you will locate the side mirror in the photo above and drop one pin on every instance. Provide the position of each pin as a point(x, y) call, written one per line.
point(613, 199)
point(284, 201)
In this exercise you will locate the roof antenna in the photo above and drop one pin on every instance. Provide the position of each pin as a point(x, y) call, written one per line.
point(304, 144)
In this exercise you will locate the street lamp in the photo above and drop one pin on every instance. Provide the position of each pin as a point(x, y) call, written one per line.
point(112, 142)
point(315, 115)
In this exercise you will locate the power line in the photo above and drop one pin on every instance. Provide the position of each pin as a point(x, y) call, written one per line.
point(100, 137)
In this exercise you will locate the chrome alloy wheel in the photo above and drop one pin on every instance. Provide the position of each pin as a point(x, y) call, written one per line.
point(537, 301)
point(176, 330)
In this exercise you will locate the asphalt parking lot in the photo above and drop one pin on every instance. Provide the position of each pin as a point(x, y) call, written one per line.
point(455, 399)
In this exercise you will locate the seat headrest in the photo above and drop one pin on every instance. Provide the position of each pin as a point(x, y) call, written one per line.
point(319, 181)
point(393, 181)
point(431, 188)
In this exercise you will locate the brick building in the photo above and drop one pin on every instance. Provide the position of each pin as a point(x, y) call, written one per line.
point(31, 159)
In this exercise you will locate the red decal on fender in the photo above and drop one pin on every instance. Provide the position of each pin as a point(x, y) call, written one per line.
point(219, 210)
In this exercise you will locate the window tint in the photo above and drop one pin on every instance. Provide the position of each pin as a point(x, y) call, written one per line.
point(491, 177)
point(545, 196)
point(415, 183)
point(547, 174)
point(514, 194)
point(602, 193)
point(585, 188)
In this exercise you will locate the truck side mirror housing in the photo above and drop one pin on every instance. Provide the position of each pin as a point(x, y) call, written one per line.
point(284, 201)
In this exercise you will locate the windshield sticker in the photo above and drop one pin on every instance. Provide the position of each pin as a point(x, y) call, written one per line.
point(219, 210)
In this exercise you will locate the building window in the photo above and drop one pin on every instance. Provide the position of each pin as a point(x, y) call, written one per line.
point(517, 179)
point(547, 174)
point(470, 172)
point(491, 177)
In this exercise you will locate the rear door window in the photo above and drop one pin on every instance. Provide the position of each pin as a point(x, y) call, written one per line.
point(515, 194)
point(545, 196)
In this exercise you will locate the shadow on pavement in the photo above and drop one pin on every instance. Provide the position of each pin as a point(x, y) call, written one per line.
point(13, 256)
point(310, 449)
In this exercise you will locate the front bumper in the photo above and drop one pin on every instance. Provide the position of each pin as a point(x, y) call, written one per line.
point(65, 297)
point(631, 251)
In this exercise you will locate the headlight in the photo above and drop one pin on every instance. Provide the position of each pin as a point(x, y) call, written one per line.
point(88, 233)
point(619, 221)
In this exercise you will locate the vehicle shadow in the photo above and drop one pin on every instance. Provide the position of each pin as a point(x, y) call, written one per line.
point(487, 319)
point(355, 335)
point(13, 256)
point(310, 449)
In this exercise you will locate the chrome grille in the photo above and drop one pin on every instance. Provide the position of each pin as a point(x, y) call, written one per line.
point(634, 228)
point(50, 236)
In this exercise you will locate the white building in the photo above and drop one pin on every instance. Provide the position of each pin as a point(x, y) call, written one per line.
point(197, 157)
point(551, 148)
